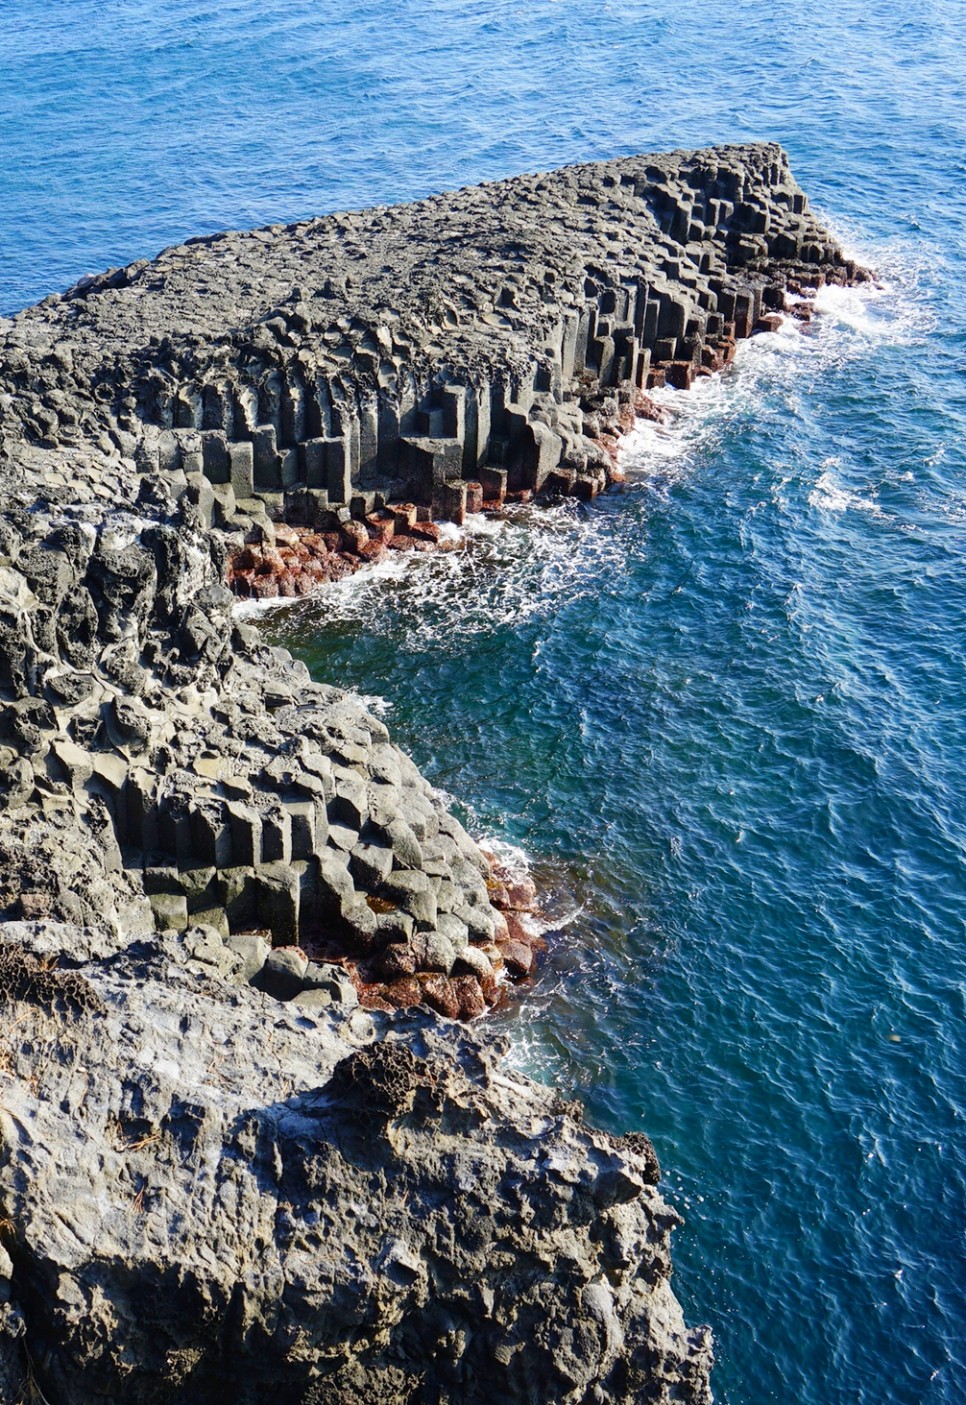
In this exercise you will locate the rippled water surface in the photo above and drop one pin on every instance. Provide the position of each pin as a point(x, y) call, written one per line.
point(723, 709)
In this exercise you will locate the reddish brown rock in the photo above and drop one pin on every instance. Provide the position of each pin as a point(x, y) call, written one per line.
point(770, 322)
point(404, 992)
point(354, 536)
point(501, 931)
point(521, 894)
point(440, 995)
point(586, 488)
point(403, 515)
point(474, 497)
point(469, 996)
point(647, 409)
point(516, 932)
point(372, 551)
point(340, 566)
point(518, 958)
point(494, 992)
point(680, 374)
point(393, 963)
point(496, 890)
point(381, 526)
point(264, 587)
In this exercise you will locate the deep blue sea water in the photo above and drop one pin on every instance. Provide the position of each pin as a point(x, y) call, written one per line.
point(724, 710)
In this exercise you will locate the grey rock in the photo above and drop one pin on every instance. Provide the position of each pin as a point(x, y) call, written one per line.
point(162, 768)
point(480, 923)
point(252, 949)
point(474, 962)
point(205, 947)
point(406, 849)
point(370, 865)
point(170, 911)
point(395, 926)
point(455, 931)
point(283, 973)
point(413, 892)
point(422, 1220)
point(433, 952)
point(331, 982)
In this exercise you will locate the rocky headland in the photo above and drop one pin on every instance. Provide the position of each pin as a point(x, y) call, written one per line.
point(249, 1150)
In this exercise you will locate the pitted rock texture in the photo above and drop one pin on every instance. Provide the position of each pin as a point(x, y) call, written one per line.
point(208, 1196)
point(353, 375)
point(216, 1165)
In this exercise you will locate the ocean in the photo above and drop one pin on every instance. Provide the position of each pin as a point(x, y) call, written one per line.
point(721, 711)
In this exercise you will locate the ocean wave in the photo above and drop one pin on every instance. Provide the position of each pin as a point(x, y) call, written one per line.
point(830, 494)
point(773, 369)
point(503, 572)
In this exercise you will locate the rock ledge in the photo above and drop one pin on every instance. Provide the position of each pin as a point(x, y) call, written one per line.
point(221, 1176)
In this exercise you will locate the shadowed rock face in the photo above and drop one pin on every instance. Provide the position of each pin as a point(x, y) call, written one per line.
point(209, 1197)
point(205, 1182)
point(405, 353)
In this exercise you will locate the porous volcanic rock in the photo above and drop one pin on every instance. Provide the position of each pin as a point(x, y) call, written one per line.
point(217, 1168)
point(212, 1196)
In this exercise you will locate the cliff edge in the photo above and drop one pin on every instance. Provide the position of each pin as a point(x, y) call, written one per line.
point(246, 1148)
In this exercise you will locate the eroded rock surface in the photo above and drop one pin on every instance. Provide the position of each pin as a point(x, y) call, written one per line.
point(216, 1165)
point(212, 1196)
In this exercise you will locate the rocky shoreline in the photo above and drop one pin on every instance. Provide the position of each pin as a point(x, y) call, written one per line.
point(246, 1145)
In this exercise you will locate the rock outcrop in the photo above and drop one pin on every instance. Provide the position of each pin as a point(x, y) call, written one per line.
point(209, 1196)
point(216, 1166)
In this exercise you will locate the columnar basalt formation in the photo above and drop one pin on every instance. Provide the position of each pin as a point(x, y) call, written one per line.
point(188, 822)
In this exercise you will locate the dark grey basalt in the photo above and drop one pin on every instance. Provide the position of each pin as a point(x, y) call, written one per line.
point(209, 1196)
point(200, 1184)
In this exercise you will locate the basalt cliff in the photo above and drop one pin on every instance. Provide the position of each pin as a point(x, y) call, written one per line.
point(251, 1146)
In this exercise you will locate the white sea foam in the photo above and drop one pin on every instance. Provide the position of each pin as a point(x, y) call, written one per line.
point(376, 704)
point(501, 572)
point(511, 857)
point(831, 495)
point(850, 323)
point(392, 567)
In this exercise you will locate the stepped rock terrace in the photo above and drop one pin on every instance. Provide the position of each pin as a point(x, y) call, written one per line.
point(467, 344)
point(187, 819)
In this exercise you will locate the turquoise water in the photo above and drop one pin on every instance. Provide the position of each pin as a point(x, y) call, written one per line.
point(722, 710)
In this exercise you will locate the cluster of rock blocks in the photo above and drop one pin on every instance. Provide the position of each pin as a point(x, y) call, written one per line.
point(187, 819)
